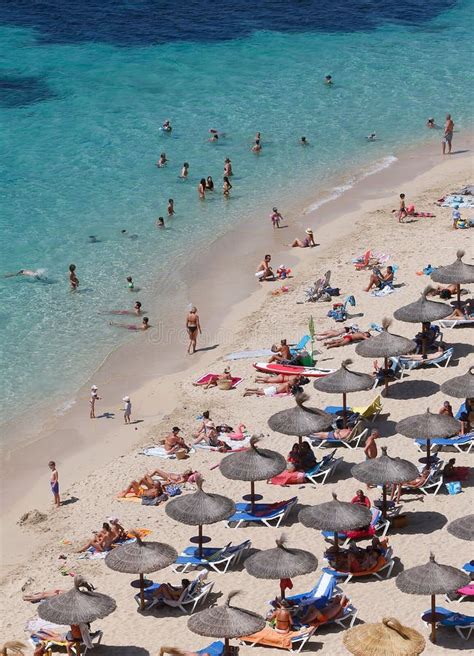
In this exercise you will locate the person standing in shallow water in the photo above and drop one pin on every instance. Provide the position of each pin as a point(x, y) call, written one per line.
point(448, 134)
point(193, 326)
point(73, 279)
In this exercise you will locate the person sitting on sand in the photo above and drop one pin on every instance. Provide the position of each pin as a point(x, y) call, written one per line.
point(306, 458)
point(307, 242)
point(207, 432)
point(213, 380)
point(313, 616)
point(379, 279)
point(273, 390)
point(117, 529)
point(415, 484)
point(453, 473)
point(102, 541)
point(282, 353)
point(264, 271)
point(361, 499)
point(348, 338)
point(174, 442)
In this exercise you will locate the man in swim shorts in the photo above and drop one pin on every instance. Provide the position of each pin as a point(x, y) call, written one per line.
point(448, 134)
point(54, 483)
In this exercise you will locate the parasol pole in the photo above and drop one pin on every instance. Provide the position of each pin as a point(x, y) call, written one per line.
point(226, 647)
point(384, 501)
point(385, 374)
point(300, 440)
point(252, 495)
point(142, 592)
point(433, 619)
point(78, 648)
point(344, 409)
point(423, 339)
point(458, 294)
point(336, 542)
point(200, 540)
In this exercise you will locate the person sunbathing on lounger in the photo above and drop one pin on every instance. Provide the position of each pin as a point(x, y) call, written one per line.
point(419, 357)
point(315, 617)
point(348, 338)
point(172, 592)
point(273, 390)
point(379, 279)
point(415, 484)
point(340, 434)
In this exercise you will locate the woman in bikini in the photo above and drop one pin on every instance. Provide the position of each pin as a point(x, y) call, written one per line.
point(193, 326)
point(347, 339)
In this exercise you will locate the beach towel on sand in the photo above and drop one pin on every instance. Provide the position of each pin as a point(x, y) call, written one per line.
point(239, 445)
point(159, 452)
point(208, 377)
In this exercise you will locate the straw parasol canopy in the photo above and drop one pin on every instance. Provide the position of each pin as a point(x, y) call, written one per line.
point(300, 421)
point(429, 426)
point(282, 562)
point(226, 622)
point(385, 345)
point(80, 605)
point(463, 528)
point(423, 311)
point(141, 558)
point(335, 516)
point(384, 470)
point(431, 579)
point(461, 387)
point(388, 638)
point(252, 464)
point(200, 508)
point(342, 382)
point(457, 273)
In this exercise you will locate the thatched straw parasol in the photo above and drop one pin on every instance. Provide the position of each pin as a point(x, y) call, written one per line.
point(383, 471)
point(226, 622)
point(423, 311)
point(13, 647)
point(80, 605)
point(342, 382)
point(461, 387)
point(253, 464)
point(200, 508)
point(140, 558)
point(335, 516)
point(300, 421)
point(389, 638)
point(463, 528)
point(457, 273)
point(428, 426)
point(385, 345)
point(281, 562)
point(431, 579)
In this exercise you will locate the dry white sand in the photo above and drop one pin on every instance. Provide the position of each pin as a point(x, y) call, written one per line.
point(31, 556)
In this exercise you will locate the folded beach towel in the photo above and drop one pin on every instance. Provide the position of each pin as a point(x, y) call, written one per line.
point(159, 451)
point(242, 355)
point(206, 378)
point(385, 291)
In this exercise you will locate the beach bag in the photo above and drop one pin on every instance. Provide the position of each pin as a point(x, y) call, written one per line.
point(224, 384)
point(332, 291)
point(173, 490)
point(181, 454)
point(454, 487)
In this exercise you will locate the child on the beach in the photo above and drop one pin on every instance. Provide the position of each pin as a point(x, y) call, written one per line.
point(127, 409)
point(94, 397)
point(276, 217)
point(54, 483)
point(402, 211)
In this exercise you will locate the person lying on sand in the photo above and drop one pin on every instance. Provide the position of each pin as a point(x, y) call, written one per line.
point(188, 476)
point(213, 380)
point(273, 390)
point(144, 325)
point(348, 338)
point(415, 484)
point(336, 332)
point(174, 442)
point(39, 596)
point(445, 291)
point(146, 486)
point(379, 279)
point(279, 378)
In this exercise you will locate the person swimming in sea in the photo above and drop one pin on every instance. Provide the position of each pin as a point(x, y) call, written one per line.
point(130, 283)
point(163, 161)
point(170, 208)
point(144, 325)
point(137, 310)
point(184, 171)
point(226, 187)
point(257, 147)
point(304, 141)
point(166, 127)
point(209, 183)
point(28, 273)
point(160, 223)
point(328, 79)
point(125, 233)
point(214, 137)
point(371, 137)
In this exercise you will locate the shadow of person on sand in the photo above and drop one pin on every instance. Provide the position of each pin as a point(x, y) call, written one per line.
point(69, 501)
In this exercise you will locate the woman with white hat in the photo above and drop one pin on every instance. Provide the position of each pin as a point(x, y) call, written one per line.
point(94, 397)
point(307, 242)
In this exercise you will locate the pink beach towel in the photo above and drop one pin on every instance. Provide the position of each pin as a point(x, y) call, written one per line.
point(208, 377)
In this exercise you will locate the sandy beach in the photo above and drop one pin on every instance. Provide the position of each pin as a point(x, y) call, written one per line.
point(96, 459)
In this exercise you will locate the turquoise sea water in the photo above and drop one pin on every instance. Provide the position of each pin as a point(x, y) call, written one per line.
point(81, 101)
